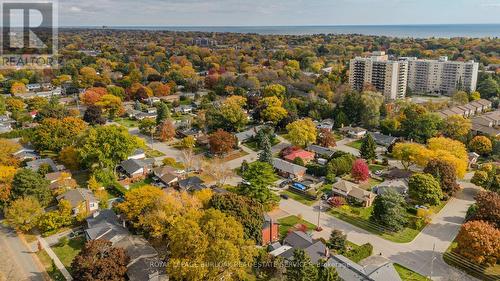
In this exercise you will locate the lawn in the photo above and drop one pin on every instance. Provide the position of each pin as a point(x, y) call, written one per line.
point(376, 167)
point(298, 197)
point(254, 146)
point(141, 183)
point(126, 122)
point(68, 252)
point(291, 221)
point(408, 274)
point(355, 144)
point(366, 185)
point(51, 269)
point(151, 153)
point(234, 155)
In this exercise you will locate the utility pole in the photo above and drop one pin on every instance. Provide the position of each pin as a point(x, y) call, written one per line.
point(432, 260)
point(318, 227)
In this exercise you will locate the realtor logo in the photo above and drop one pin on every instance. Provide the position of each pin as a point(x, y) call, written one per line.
point(29, 34)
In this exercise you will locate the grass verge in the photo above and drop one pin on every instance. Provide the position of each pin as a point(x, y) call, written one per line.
point(407, 274)
point(49, 266)
point(68, 252)
point(300, 198)
point(288, 222)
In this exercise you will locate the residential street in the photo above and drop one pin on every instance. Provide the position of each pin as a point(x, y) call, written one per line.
point(17, 262)
point(416, 255)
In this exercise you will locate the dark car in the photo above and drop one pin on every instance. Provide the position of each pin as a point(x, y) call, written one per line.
point(284, 196)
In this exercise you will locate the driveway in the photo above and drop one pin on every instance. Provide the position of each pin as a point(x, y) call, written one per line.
point(342, 146)
point(416, 255)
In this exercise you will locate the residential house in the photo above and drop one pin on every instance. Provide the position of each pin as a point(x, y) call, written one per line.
point(289, 170)
point(61, 179)
point(320, 152)
point(270, 231)
point(135, 168)
point(81, 200)
point(487, 124)
point(247, 135)
point(138, 154)
point(353, 192)
point(184, 109)
point(383, 140)
point(398, 185)
point(145, 115)
point(144, 259)
point(191, 184)
point(315, 249)
point(34, 87)
point(355, 132)
point(374, 268)
point(326, 124)
point(167, 176)
point(37, 163)
point(473, 157)
point(27, 152)
point(305, 155)
point(396, 173)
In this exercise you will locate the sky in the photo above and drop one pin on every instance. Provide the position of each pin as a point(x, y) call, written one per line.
point(275, 12)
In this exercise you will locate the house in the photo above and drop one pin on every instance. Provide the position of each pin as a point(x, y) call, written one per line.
point(288, 170)
point(34, 87)
point(191, 184)
point(305, 155)
point(270, 231)
point(321, 152)
point(383, 140)
point(374, 268)
point(134, 168)
point(26, 153)
point(184, 109)
point(351, 191)
point(166, 175)
point(37, 163)
point(487, 124)
point(81, 200)
point(138, 154)
point(247, 135)
point(355, 132)
point(396, 173)
point(61, 179)
point(398, 185)
point(315, 249)
point(473, 157)
point(144, 259)
point(326, 124)
point(145, 115)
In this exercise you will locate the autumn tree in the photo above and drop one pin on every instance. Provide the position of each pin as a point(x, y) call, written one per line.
point(6, 176)
point(488, 207)
point(93, 115)
point(368, 146)
point(93, 95)
point(229, 116)
point(70, 157)
point(481, 145)
point(23, 213)
point(7, 149)
point(456, 127)
point(221, 142)
point(325, 138)
point(111, 104)
point(360, 171)
point(99, 260)
point(479, 241)
point(137, 201)
point(275, 90)
point(389, 210)
point(444, 173)
point(424, 189)
point(272, 109)
point(302, 132)
point(147, 126)
point(166, 131)
point(54, 134)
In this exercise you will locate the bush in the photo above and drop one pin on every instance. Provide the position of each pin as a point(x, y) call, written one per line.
point(337, 201)
point(360, 253)
point(63, 241)
point(316, 170)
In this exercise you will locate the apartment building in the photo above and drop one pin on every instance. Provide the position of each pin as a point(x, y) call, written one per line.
point(387, 76)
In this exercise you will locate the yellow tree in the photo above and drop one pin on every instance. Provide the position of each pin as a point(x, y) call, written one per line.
point(411, 153)
point(139, 200)
point(302, 132)
point(273, 111)
point(456, 127)
point(456, 148)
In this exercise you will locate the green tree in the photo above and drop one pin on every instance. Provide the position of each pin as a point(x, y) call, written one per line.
point(29, 183)
point(489, 88)
point(163, 112)
point(337, 241)
point(327, 273)
point(23, 213)
point(389, 210)
point(444, 173)
point(275, 90)
point(370, 114)
point(266, 155)
point(147, 126)
point(367, 150)
point(301, 268)
point(424, 189)
point(460, 97)
point(418, 124)
point(261, 176)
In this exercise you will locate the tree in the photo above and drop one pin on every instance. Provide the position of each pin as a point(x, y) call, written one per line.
point(111, 104)
point(360, 171)
point(444, 173)
point(418, 124)
point(70, 158)
point(370, 113)
point(159, 89)
point(460, 97)
point(93, 115)
point(166, 131)
point(367, 150)
point(302, 132)
point(389, 210)
point(163, 112)
point(99, 260)
point(93, 95)
point(18, 88)
point(6, 176)
point(260, 176)
point(147, 126)
point(456, 127)
point(23, 213)
point(275, 90)
point(221, 142)
point(481, 145)
point(266, 155)
point(488, 206)
point(327, 273)
point(337, 241)
point(54, 134)
point(325, 138)
point(7, 149)
point(489, 88)
point(208, 245)
point(29, 183)
point(301, 269)
point(424, 189)
point(106, 146)
point(340, 165)
point(273, 110)
point(479, 241)
point(229, 116)
point(137, 201)
point(247, 211)
point(188, 142)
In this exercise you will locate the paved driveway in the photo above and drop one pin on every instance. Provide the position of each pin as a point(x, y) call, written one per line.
point(418, 254)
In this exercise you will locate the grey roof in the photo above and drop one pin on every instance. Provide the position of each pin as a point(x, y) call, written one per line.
point(190, 183)
point(316, 250)
point(248, 134)
point(288, 167)
point(398, 185)
point(298, 239)
point(382, 139)
point(131, 166)
point(35, 164)
point(322, 151)
point(347, 269)
point(374, 268)
point(77, 196)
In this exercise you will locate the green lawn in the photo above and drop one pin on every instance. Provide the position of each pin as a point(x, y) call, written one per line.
point(141, 183)
point(289, 222)
point(376, 167)
point(151, 153)
point(51, 269)
point(355, 144)
point(254, 146)
point(408, 274)
point(126, 122)
point(68, 252)
point(298, 197)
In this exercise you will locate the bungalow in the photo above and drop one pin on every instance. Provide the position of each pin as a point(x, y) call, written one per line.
point(305, 155)
point(134, 168)
point(184, 109)
point(320, 151)
point(351, 191)
point(61, 180)
point(247, 135)
point(270, 231)
point(326, 124)
point(145, 115)
point(138, 154)
point(36, 164)
point(191, 184)
point(26, 153)
point(81, 200)
point(289, 170)
point(355, 132)
point(383, 140)
point(374, 268)
point(398, 185)
point(34, 87)
point(315, 249)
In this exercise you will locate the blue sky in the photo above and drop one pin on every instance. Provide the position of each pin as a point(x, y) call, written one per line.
point(275, 12)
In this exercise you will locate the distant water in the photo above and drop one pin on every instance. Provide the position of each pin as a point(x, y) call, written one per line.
point(415, 31)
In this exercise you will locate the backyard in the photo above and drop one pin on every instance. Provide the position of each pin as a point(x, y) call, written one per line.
point(291, 221)
point(68, 251)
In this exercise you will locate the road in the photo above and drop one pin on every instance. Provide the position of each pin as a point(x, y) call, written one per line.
point(17, 262)
point(416, 255)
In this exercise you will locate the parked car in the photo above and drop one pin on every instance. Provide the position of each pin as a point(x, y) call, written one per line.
point(76, 233)
point(284, 196)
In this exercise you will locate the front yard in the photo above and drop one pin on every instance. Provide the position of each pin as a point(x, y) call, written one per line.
point(291, 221)
point(253, 145)
point(49, 266)
point(67, 252)
point(355, 144)
point(298, 197)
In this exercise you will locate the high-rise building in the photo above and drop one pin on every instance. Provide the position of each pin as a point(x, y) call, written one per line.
point(387, 76)
point(441, 76)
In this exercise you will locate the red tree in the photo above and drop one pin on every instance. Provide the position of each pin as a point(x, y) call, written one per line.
point(93, 95)
point(221, 142)
point(360, 171)
point(166, 130)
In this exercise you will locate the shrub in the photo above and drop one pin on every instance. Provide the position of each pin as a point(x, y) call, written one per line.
point(337, 201)
point(361, 252)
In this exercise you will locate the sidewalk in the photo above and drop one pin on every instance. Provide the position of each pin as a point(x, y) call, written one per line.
point(55, 258)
